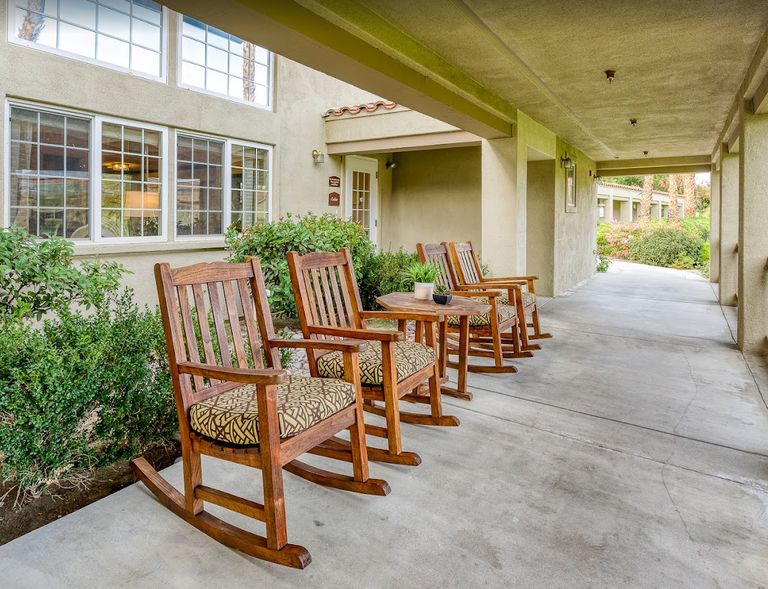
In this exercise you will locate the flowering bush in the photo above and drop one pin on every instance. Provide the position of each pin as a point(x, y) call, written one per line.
point(657, 243)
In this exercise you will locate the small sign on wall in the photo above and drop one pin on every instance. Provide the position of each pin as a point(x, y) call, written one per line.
point(334, 199)
point(334, 181)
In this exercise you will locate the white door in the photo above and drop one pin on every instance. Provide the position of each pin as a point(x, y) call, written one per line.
point(361, 193)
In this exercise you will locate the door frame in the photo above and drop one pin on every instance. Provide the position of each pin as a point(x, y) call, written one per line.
point(364, 164)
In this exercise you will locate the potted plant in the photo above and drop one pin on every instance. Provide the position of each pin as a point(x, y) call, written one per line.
point(423, 276)
point(442, 296)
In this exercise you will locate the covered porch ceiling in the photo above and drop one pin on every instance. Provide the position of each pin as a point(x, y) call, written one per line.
point(683, 69)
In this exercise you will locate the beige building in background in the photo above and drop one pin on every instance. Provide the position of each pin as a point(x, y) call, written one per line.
point(169, 136)
point(618, 203)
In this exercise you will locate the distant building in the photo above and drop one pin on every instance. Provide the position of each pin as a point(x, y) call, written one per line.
point(621, 204)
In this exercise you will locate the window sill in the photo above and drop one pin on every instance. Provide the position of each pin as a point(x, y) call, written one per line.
point(127, 249)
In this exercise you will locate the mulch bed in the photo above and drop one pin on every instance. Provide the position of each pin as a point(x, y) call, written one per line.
point(58, 502)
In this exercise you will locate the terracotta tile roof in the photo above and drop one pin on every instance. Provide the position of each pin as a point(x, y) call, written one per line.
point(358, 108)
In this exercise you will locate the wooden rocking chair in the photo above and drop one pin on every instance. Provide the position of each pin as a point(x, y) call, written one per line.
point(231, 407)
point(495, 335)
point(470, 273)
point(328, 302)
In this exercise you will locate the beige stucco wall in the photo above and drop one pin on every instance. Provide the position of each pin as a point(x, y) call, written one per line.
point(541, 197)
point(294, 127)
point(435, 196)
point(574, 231)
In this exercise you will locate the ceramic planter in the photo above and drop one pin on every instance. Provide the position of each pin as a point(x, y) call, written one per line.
point(423, 290)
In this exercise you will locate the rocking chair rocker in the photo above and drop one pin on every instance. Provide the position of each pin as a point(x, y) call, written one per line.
point(230, 407)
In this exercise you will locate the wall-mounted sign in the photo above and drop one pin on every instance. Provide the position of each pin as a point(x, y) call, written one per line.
point(334, 199)
point(334, 181)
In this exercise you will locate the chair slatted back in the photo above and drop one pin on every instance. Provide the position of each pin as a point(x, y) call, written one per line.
point(465, 260)
point(326, 290)
point(216, 313)
point(437, 254)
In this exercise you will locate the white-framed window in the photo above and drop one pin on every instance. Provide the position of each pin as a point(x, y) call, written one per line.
point(220, 182)
point(214, 61)
point(128, 35)
point(82, 176)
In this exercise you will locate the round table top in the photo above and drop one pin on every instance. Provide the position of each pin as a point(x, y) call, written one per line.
point(405, 301)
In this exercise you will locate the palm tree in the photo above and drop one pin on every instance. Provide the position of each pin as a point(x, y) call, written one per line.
point(689, 191)
point(33, 22)
point(646, 196)
point(674, 214)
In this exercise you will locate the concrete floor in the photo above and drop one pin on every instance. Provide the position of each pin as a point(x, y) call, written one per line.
point(631, 452)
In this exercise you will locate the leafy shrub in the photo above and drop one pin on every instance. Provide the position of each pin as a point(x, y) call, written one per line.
point(270, 242)
point(616, 240)
point(666, 245)
point(698, 226)
point(602, 264)
point(81, 391)
point(39, 275)
point(384, 273)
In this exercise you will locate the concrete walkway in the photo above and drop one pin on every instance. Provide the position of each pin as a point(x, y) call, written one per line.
point(631, 452)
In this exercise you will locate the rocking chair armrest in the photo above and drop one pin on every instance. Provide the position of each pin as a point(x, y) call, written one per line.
point(355, 333)
point(525, 278)
point(344, 345)
point(403, 315)
point(266, 376)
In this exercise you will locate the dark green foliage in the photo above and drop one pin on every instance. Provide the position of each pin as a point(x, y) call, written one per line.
point(602, 264)
point(666, 245)
point(270, 242)
point(384, 273)
point(38, 275)
point(81, 391)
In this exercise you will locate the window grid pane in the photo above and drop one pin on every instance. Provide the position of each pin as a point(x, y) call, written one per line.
point(126, 34)
point(250, 192)
point(199, 177)
point(224, 64)
point(131, 198)
point(50, 186)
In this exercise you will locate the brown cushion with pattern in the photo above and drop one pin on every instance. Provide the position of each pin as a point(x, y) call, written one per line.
point(529, 298)
point(505, 313)
point(410, 357)
point(301, 403)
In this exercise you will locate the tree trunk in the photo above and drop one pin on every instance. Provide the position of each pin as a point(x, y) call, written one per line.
point(674, 214)
point(646, 196)
point(689, 191)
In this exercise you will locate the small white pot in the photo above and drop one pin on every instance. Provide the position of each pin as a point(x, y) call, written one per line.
point(423, 290)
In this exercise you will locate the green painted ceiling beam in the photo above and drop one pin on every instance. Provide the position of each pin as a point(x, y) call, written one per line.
point(419, 79)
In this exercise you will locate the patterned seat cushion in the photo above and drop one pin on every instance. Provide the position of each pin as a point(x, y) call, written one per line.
point(505, 313)
point(301, 403)
point(410, 357)
point(529, 298)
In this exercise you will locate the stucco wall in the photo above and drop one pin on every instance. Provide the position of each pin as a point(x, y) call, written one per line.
point(294, 127)
point(541, 197)
point(574, 231)
point(435, 196)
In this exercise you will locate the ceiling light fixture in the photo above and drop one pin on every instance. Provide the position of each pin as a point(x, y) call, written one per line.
point(610, 75)
point(645, 152)
point(633, 122)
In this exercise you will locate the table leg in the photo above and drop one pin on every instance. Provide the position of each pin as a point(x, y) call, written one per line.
point(460, 392)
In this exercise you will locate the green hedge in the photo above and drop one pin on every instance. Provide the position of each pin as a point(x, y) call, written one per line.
point(376, 274)
point(81, 391)
point(658, 243)
point(270, 242)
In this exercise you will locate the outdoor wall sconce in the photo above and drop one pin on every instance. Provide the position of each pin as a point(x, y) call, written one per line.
point(318, 156)
point(610, 75)
point(390, 165)
point(566, 162)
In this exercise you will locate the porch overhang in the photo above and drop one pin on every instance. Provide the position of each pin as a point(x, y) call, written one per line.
point(644, 166)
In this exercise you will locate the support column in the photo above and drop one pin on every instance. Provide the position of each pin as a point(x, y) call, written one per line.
point(729, 227)
point(626, 211)
point(714, 225)
point(503, 225)
point(753, 237)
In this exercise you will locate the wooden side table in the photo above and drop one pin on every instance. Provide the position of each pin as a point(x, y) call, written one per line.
point(461, 307)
